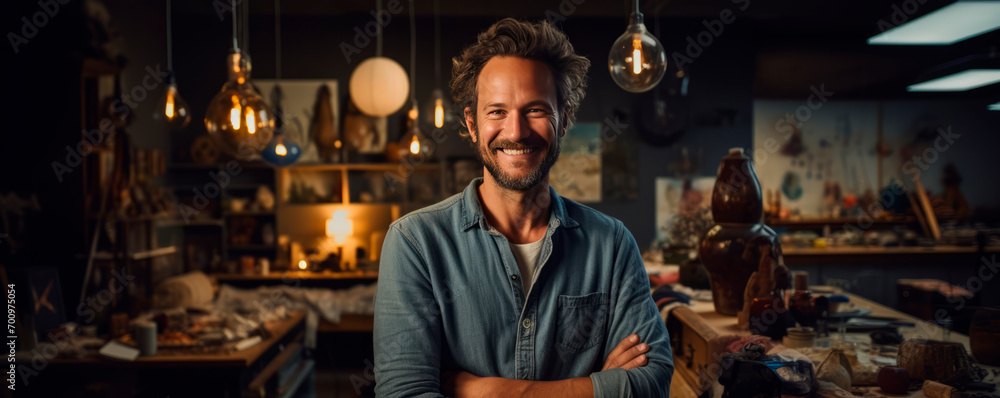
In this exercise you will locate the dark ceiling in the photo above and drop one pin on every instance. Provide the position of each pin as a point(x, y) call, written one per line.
point(795, 40)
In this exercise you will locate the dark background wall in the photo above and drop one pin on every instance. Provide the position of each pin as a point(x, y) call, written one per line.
point(773, 50)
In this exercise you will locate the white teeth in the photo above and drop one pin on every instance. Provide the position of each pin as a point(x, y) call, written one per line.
point(516, 151)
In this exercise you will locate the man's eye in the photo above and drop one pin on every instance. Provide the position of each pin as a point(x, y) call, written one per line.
point(495, 112)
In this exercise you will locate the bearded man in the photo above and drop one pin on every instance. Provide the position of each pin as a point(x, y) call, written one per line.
point(508, 289)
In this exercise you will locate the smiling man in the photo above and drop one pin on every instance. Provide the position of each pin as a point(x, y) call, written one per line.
point(508, 289)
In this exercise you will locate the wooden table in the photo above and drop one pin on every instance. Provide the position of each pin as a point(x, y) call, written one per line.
point(689, 326)
point(252, 371)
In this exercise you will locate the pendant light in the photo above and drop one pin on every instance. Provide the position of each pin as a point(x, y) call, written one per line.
point(637, 61)
point(283, 149)
point(237, 117)
point(378, 86)
point(172, 109)
point(414, 142)
point(438, 111)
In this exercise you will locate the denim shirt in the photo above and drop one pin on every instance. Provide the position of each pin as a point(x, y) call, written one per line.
point(450, 298)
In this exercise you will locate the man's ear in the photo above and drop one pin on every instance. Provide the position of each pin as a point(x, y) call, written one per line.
point(470, 122)
point(563, 124)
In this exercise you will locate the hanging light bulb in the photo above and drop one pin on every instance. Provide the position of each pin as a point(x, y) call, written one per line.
point(237, 117)
point(172, 108)
point(414, 144)
point(637, 60)
point(283, 150)
point(437, 111)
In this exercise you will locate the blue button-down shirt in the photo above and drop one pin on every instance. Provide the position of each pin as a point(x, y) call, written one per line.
point(450, 298)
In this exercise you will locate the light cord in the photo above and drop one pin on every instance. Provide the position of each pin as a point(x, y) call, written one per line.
point(170, 45)
point(413, 53)
point(236, 46)
point(277, 39)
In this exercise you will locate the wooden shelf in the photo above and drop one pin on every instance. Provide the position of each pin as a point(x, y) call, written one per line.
point(247, 213)
point(369, 275)
point(362, 166)
point(878, 250)
point(349, 323)
point(252, 247)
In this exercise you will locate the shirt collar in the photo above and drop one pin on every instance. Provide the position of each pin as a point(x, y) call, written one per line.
point(472, 210)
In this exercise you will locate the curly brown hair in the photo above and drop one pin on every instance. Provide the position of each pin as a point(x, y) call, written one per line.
point(538, 41)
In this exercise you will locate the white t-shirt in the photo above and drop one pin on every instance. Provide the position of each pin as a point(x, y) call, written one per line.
point(527, 259)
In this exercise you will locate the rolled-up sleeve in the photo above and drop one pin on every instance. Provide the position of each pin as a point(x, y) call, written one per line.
point(407, 322)
point(636, 312)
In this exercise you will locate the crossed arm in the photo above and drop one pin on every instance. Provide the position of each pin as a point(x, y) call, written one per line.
point(628, 354)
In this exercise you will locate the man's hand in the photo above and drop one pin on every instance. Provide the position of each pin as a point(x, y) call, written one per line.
point(627, 355)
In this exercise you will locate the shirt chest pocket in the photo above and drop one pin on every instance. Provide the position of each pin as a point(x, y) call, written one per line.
point(582, 321)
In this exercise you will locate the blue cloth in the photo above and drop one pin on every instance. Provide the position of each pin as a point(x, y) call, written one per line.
point(449, 298)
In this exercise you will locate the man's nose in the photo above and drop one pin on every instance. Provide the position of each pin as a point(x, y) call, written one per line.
point(517, 127)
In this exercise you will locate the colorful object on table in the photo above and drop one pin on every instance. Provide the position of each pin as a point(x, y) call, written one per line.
point(739, 244)
point(750, 373)
point(665, 295)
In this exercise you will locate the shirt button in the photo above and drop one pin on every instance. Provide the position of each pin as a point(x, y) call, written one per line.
point(514, 277)
point(526, 323)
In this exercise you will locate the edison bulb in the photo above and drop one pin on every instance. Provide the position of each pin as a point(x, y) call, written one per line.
point(237, 117)
point(637, 60)
point(173, 109)
point(282, 151)
point(437, 112)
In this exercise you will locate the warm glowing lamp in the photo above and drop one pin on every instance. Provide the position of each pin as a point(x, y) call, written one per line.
point(637, 60)
point(339, 227)
point(303, 265)
point(379, 86)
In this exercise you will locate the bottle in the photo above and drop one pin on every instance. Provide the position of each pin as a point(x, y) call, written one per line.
point(800, 301)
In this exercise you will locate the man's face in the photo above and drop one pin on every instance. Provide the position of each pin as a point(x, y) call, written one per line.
point(517, 126)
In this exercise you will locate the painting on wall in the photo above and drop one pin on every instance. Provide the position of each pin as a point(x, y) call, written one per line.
point(683, 209)
point(813, 158)
point(311, 114)
point(577, 173)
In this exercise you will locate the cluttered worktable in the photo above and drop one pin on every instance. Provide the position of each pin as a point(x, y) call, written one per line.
point(694, 327)
point(273, 365)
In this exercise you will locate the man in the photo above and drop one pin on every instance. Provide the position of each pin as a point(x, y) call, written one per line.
point(508, 289)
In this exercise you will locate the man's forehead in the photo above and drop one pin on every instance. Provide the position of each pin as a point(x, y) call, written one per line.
point(502, 74)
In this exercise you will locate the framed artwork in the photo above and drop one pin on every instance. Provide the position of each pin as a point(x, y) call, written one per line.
point(39, 298)
point(577, 173)
point(683, 209)
point(311, 113)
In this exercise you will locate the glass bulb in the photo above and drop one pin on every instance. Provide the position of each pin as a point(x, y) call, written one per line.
point(238, 118)
point(414, 144)
point(437, 111)
point(637, 60)
point(173, 109)
point(282, 150)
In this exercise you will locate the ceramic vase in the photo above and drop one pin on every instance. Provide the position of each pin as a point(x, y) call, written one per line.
point(732, 249)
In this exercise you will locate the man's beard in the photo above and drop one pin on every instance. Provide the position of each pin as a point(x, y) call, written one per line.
point(510, 182)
